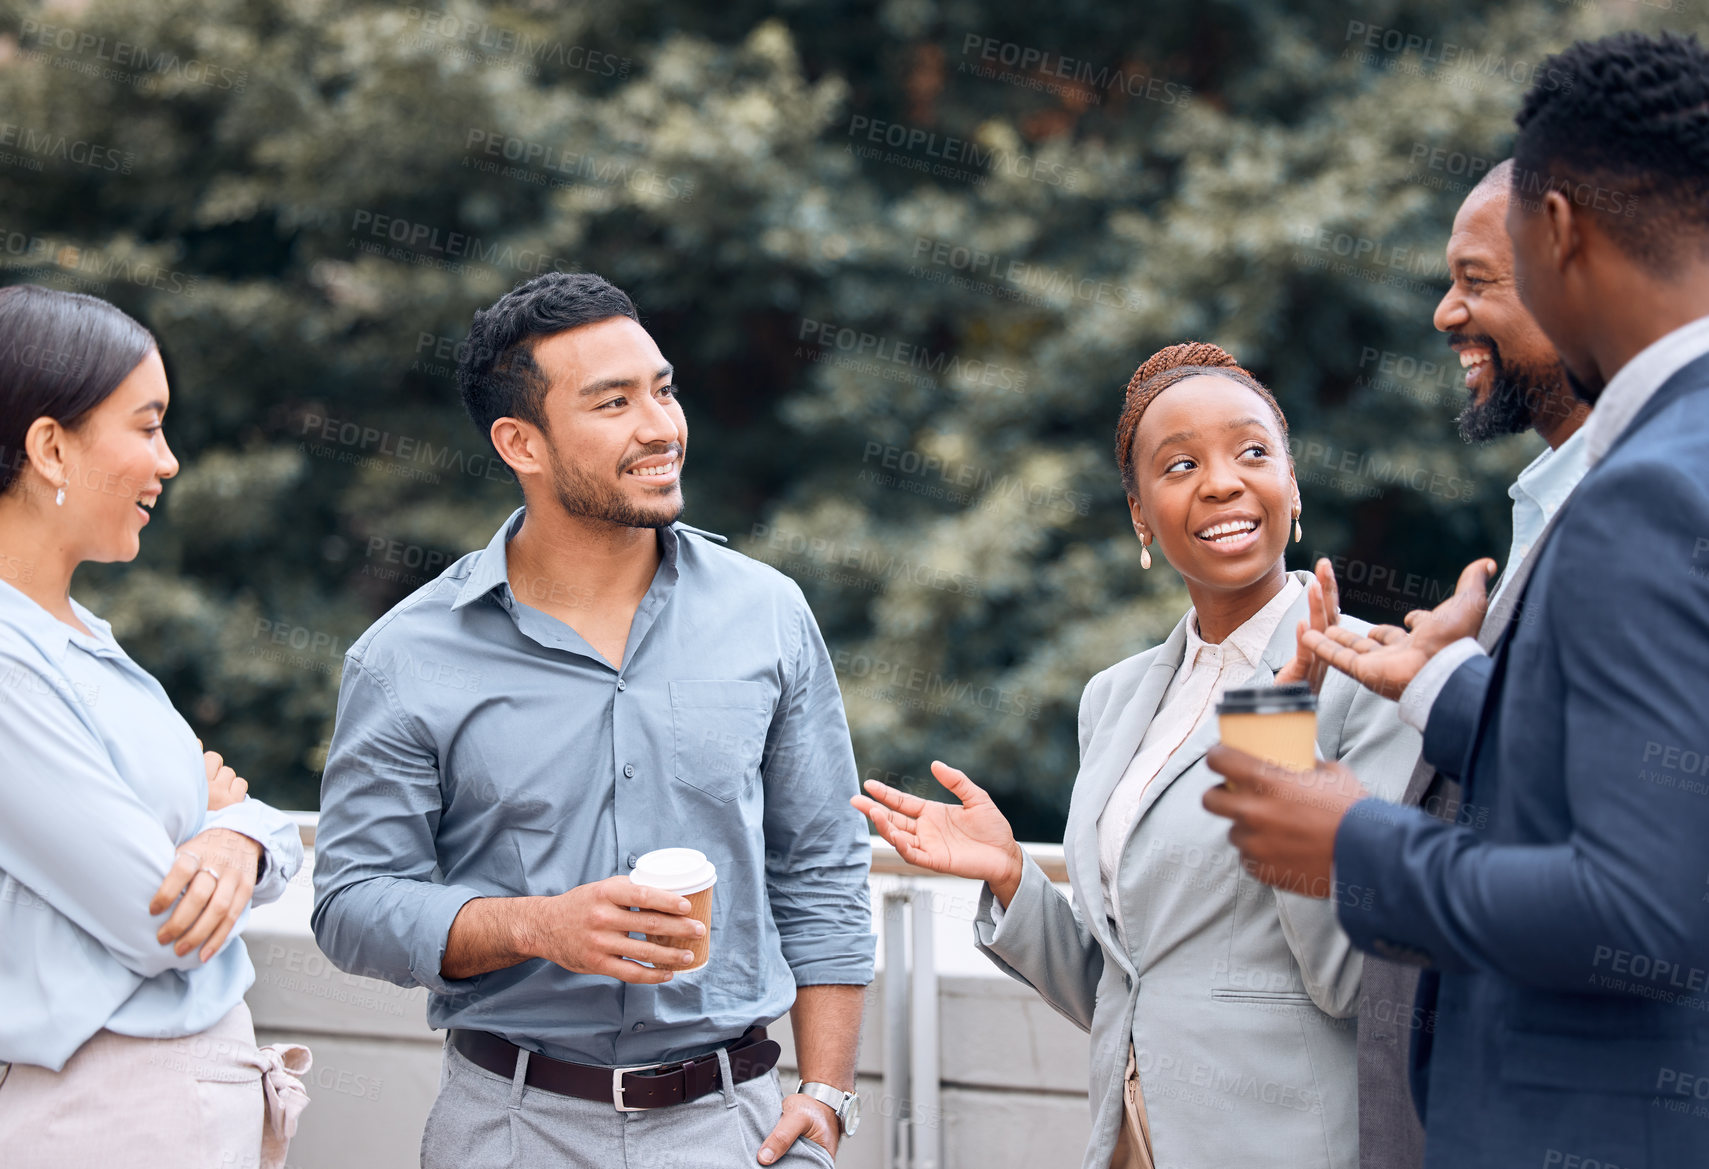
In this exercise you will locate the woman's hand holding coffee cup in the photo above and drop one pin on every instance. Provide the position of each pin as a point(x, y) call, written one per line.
point(972, 839)
point(586, 930)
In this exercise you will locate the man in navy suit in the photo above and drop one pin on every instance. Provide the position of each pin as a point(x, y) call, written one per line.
point(1566, 940)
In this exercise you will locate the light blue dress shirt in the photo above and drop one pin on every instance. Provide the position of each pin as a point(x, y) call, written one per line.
point(1538, 493)
point(484, 749)
point(103, 780)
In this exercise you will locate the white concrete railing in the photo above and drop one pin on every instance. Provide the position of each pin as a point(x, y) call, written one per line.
point(1009, 1079)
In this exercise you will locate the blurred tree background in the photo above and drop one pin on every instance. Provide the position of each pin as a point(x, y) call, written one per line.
point(905, 257)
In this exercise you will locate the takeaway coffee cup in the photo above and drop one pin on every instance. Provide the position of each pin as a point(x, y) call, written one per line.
point(686, 872)
point(1275, 723)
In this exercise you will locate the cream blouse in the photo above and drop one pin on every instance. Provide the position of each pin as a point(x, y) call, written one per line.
point(1206, 671)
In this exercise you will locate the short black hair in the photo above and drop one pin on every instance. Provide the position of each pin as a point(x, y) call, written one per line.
point(1621, 125)
point(497, 373)
point(1497, 180)
point(61, 355)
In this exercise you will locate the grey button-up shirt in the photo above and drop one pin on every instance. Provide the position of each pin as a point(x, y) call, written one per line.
point(484, 749)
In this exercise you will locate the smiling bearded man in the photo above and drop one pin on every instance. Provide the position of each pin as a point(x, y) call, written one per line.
point(1516, 382)
point(1514, 377)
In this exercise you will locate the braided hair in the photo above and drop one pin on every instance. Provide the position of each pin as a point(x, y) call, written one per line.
point(1621, 126)
point(1163, 369)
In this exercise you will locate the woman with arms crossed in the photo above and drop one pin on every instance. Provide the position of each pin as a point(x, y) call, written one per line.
point(1221, 1011)
point(127, 856)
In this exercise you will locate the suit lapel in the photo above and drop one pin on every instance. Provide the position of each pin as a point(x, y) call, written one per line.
point(1501, 614)
point(1422, 775)
point(1691, 378)
point(1208, 733)
point(1106, 759)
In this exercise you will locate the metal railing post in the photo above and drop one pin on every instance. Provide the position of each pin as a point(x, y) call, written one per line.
point(895, 1105)
point(925, 1113)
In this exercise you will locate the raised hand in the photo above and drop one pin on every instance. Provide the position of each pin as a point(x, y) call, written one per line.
point(971, 839)
point(1388, 658)
point(1324, 597)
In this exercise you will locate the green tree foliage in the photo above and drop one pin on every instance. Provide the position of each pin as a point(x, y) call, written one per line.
point(905, 260)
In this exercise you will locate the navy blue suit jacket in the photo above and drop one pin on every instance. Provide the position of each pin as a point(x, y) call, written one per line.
point(1569, 935)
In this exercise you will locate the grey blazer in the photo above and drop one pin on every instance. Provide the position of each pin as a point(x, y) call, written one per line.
point(1238, 999)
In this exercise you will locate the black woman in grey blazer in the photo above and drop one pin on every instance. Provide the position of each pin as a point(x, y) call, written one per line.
point(1221, 1010)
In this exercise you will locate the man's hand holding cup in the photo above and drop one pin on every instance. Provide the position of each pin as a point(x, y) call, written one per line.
point(587, 930)
point(1284, 820)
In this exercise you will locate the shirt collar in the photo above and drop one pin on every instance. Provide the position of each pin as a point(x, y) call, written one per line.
point(491, 568)
point(49, 632)
point(1637, 381)
point(1550, 477)
point(1253, 637)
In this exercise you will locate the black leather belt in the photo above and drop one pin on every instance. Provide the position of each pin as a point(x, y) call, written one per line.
point(628, 1089)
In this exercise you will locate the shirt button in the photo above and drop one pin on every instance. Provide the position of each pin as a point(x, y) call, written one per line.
point(629, 771)
point(632, 859)
point(622, 685)
point(639, 1027)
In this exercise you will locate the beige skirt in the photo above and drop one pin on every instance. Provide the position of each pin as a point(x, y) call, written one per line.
point(213, 1100)
point(1133, 1145)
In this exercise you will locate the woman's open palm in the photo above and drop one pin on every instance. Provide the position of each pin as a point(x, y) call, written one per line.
point(970, 839)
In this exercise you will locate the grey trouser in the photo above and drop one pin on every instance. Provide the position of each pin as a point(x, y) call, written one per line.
point(483, 1121)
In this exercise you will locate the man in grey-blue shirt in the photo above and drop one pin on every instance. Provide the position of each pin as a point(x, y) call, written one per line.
point(600, 681)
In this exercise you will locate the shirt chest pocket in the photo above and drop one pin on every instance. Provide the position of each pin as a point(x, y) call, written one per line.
point(718, 734)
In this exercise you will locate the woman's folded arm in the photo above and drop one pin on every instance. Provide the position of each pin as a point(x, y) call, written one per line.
point(73, 831)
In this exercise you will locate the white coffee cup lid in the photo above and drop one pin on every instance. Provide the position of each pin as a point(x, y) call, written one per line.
point(675, 870)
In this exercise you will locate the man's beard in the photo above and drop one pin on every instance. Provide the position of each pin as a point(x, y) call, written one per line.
point(580, 494)
point(1518, 392)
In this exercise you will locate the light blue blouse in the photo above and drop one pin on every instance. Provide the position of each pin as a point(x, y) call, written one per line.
point(100, 781)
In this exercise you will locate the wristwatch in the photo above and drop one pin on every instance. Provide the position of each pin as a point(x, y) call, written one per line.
point(845, 1104)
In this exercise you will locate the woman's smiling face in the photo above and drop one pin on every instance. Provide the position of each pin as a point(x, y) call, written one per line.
point(1216, 486)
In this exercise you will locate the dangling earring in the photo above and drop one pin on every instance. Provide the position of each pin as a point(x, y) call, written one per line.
point(1144, 552)
point(59, 500)
point(1298, 535)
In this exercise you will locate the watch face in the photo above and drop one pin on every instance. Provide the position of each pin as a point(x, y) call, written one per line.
point(851, 1116)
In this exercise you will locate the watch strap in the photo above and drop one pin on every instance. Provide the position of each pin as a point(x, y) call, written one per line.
point(831, 1096)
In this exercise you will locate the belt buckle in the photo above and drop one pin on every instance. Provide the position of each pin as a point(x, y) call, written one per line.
point(617, 1075)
